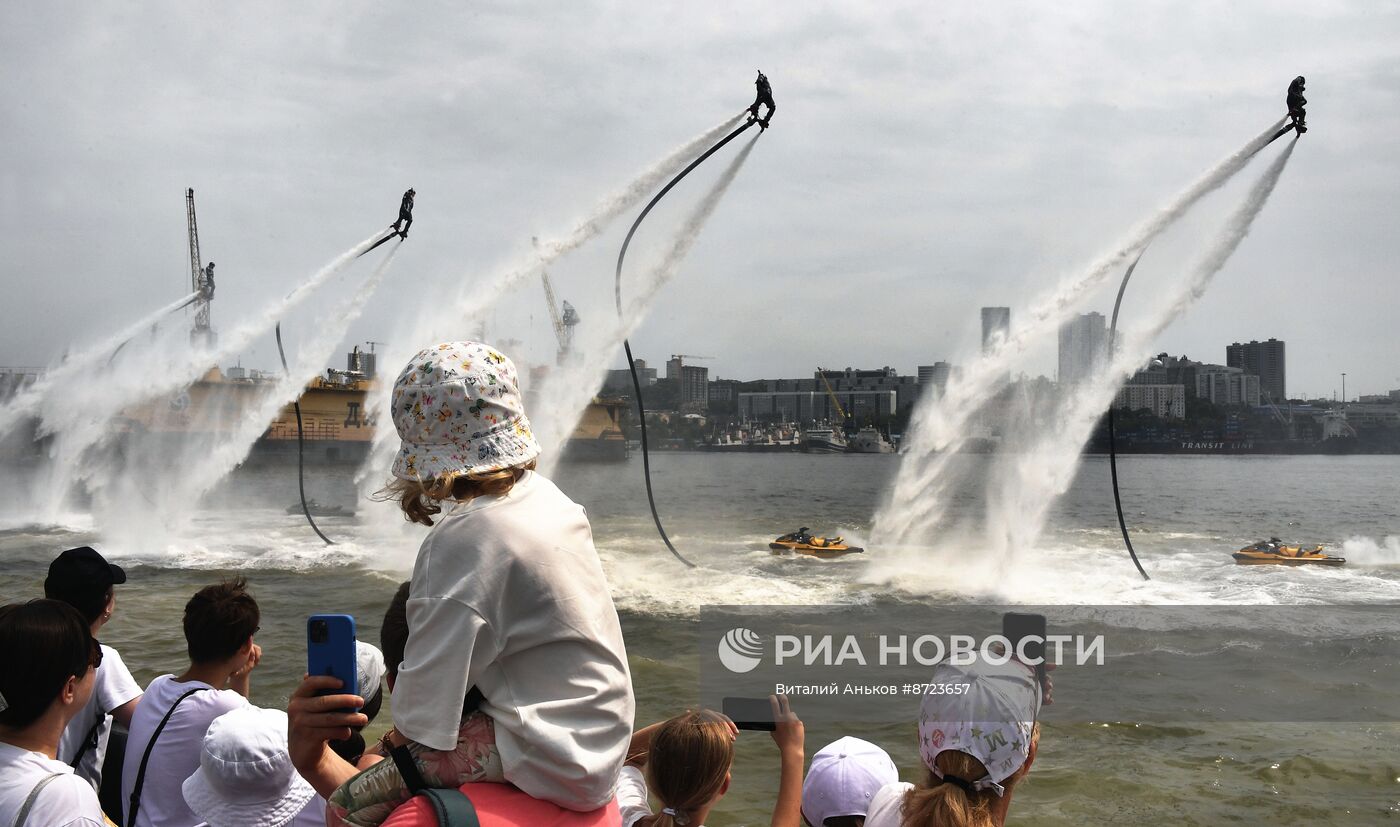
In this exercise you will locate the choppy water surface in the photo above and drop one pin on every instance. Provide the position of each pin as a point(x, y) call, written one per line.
point(1188, 513)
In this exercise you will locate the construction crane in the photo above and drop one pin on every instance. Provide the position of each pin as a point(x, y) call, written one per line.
point(832, 393)
point(201, 279)
point(681, 357)
point(564, 323)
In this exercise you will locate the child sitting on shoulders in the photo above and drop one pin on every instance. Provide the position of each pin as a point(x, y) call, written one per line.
point(507, 606)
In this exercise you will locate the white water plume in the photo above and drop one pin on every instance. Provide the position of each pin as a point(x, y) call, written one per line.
point(1028, 482)
point(29, 400)
point(452, 319)
point(938, 430)
point(80, 412)
point(1039, 460)
point(569, 388)
point(210, 460)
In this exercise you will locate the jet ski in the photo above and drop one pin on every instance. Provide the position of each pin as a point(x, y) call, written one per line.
point(318, 510)
point(800, 542)
point(1275, 553)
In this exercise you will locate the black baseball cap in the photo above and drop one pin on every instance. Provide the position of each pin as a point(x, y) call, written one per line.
point(81, 571)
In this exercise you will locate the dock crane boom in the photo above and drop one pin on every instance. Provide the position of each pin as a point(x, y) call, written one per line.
point(199, 278)
point(832, 393)
point(563, 323)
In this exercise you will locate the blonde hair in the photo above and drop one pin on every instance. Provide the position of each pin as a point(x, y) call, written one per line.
point(421, 499)
point(688, 764)
point(935, 803)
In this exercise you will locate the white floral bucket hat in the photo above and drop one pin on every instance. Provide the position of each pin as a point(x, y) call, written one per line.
point(458, 410)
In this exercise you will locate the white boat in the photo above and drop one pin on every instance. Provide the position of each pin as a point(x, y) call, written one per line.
point(870, 441)
point(824, 440)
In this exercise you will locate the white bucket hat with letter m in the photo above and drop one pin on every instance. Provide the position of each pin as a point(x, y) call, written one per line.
point(458, 410)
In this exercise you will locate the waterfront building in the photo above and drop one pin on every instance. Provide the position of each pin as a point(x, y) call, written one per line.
point(1222, 385)
point(1083, 345)
point(1265, 360)
point(694, 391)
point(1166, 401)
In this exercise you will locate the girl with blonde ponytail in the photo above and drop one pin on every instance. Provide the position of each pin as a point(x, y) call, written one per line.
point(684, 764)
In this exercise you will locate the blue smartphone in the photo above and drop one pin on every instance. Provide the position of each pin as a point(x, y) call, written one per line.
point(330, 650)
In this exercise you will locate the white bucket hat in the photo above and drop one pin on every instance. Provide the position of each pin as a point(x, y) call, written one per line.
point(245, 774)
point(985, 710)
point(369, 668)
point(458, 410)
point(843, 777)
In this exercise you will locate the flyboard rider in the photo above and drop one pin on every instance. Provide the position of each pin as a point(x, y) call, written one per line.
point(1297, 104)
point(764, 97)
point(405, 214)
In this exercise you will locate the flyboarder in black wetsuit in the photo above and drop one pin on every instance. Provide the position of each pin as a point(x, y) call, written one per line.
point(209, 281)
point(405, 214)
point(765, 97)
point(1297, 104)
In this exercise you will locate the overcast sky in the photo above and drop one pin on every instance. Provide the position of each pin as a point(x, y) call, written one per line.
point(925, 160)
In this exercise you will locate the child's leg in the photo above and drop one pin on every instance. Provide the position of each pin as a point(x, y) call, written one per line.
point(367, 799)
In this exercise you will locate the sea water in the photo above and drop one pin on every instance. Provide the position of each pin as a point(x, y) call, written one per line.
point(1187, 515)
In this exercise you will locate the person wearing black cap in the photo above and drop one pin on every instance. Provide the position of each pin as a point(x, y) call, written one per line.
point(83, 579)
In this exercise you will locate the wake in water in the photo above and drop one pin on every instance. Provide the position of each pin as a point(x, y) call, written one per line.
point(569, 388)
point(450, 319)
point(918, 494)
point(1040, 455)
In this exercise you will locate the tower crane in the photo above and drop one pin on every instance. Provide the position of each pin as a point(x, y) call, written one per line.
point(201, 278)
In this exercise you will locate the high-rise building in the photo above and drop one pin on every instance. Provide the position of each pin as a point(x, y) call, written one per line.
point(996, 326)
point(936, 375)
point(1223, 385)
point(1265, 360)
point(1083, 344)
point(1166, 401)
point(694, 387)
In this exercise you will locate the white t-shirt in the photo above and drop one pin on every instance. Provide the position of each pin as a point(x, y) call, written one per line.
point(67, 801)
point(508, 596)
point(632, 796)
point(885, 805)
point(176, 754)
point(114, 688)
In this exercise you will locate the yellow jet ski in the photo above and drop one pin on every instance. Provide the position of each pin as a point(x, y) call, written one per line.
point(1275, 553)
point(803, 543)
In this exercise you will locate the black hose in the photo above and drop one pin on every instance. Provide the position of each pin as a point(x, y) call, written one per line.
point(627, 344)
point(301, 446)
point(1112, 446)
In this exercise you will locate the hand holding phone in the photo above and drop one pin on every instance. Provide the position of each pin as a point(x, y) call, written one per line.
point(1018, 626)
point(330, 650)
point(750, 713)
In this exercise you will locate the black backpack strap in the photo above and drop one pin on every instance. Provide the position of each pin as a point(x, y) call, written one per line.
point(90, 742)
point(451, 807)
point(134, 805)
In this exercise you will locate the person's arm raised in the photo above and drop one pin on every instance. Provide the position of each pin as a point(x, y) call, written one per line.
point(312, 720)
point(790, 736)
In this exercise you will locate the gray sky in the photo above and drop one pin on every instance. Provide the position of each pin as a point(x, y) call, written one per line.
point(924, 161)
